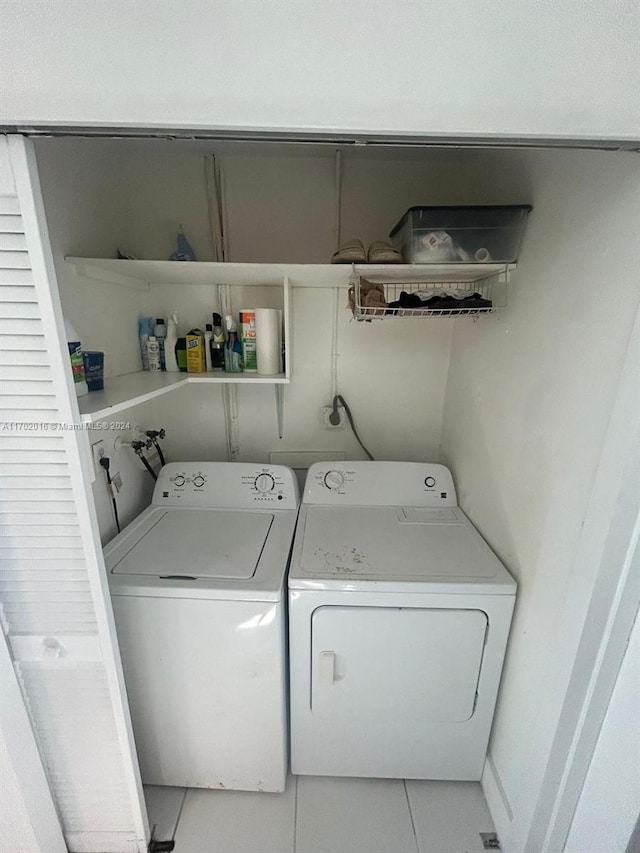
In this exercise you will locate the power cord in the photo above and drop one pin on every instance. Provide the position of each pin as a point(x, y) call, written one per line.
point(104, 462)
point(161, 846)
point(334, 418)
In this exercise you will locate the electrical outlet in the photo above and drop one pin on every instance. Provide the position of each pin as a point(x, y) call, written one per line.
point(97, 451)
point(327, 410)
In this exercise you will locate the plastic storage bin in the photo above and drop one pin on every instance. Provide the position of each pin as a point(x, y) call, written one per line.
point(454, 235)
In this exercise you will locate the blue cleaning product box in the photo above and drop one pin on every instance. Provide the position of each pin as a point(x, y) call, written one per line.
point(94, 369)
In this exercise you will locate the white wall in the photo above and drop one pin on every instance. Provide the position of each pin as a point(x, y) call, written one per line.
point(610, 803)
point(528, 400)
point(88, 207)
point(137, 483)
point(88, 212)
point(481, 67)
point(281, 207)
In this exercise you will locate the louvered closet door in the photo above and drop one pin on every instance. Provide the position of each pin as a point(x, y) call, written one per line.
point(54, 601)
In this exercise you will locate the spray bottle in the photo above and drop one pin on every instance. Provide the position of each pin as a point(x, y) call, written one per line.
point(183, 251)
point(217, 344)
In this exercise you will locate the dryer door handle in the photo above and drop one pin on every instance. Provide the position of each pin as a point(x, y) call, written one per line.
point(327, 668)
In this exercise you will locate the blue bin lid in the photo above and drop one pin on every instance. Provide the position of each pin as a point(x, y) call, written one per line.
point(485, 208)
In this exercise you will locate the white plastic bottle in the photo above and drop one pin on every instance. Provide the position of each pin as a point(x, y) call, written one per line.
point(170, 360)
point(145, 328)
point(77, 363)
point(153, 353)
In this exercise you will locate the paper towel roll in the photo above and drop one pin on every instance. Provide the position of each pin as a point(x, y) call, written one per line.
point(269, 340)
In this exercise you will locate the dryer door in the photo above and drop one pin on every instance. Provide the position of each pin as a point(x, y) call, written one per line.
point(393, 666)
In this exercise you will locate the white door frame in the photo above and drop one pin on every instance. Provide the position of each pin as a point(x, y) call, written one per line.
point(580, 725)
point(610, 543)
point(25, 789)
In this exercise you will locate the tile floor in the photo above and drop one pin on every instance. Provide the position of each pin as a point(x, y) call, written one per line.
point(324, 815)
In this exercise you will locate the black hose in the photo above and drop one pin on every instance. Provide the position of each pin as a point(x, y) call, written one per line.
point(153, 435)
point(340, 399)
point(147, 466)
point(138, 447)
point(160, 453)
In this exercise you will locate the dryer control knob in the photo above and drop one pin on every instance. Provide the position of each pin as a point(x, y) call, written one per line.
point(430, 482)
point(333, 479)
point(264, 483)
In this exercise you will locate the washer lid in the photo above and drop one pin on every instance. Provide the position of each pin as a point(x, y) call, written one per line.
point(200, 544)
point(358, 544)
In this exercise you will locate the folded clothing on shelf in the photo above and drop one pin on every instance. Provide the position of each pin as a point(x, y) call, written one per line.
point(440, 300)
point(372, 298)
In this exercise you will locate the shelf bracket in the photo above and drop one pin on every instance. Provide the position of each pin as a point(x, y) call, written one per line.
point(279, 389)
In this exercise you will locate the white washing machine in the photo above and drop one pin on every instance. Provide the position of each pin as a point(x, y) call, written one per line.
point(399, 615)
point(197, 585)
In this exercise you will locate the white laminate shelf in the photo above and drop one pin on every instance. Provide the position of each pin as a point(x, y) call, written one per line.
point(142, 274)
point(123, 392)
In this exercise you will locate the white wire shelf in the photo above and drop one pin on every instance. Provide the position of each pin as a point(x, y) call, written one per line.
point(479, 291)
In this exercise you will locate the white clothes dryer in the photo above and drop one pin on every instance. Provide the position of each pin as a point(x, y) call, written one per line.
point(399, 615)
point(197, 585)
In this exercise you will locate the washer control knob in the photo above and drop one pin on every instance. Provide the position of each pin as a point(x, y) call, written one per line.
point(430, 482)
point(333, 479)
point(264, 483)
point(198, 481)
point(179, 480)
